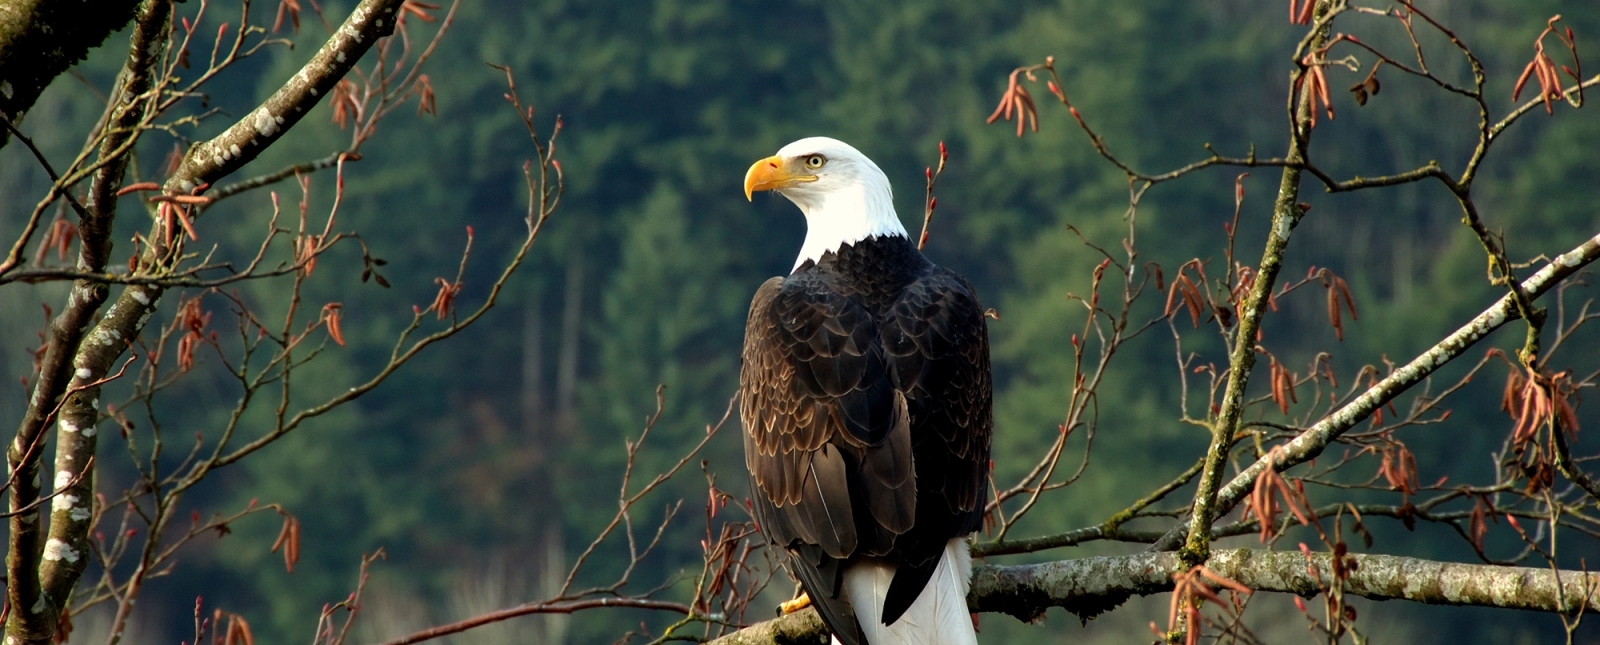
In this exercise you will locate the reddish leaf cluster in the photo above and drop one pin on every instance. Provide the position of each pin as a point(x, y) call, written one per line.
point(171, 213)
point(444, 304)
point(370, 266)
point(1282, 384)
point(425, 91)
point(1543, 69)
point(172, 208)
point(305, 253)
point(238, 631)
point(418, 9)
point(1314, 83)
point(331, 313)
point(1301, 14)
point(1189, 591)
point(1535, 399)
point(1339, 614)
point(727, 559)
point(59, 237)
point(1344, 564)
point(291, 8)
point(1483, 512)
point(289, 541)
point(1373, 376)
point(1338, 290)
point(1184, 288)
point(345, 104)
point(1398, 467)
point(1263, 504)
point(192, 320)
point(1016, 100)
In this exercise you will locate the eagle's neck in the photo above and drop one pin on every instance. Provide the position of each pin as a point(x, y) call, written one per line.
point(873, 271)
point(847, 215)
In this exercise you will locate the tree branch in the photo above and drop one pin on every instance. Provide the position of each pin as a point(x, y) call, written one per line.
point(42, 572)
point(39, 586)
point(1091, 586)
point(212, 160)
point(40, 39)
point(1310, 444)
point(1286, 214)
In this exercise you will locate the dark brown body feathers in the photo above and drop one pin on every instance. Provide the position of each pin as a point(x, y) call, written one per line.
point(865, 397)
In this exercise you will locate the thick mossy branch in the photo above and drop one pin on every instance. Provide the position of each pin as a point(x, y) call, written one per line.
point(1091, 586)
point(792, 629)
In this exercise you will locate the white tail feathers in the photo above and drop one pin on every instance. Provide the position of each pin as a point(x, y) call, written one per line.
point(938, 616)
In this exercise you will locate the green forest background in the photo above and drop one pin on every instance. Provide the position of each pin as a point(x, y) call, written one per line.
point(495, 458)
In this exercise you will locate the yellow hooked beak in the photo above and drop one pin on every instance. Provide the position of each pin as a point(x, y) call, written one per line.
point(772, 173)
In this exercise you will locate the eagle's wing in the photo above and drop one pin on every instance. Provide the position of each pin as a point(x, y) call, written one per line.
point(937, 344)
point(827, 434)
point(829, 399)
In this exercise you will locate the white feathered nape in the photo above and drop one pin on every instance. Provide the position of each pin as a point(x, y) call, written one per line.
point(850, 201)
point(938, 616)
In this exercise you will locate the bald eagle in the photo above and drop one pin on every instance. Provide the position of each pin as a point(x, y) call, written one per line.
point(865, 400)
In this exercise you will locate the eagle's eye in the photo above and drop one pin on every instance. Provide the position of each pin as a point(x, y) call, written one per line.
point(815, 161)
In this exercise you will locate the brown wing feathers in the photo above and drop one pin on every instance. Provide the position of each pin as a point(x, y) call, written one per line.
point(866, 435)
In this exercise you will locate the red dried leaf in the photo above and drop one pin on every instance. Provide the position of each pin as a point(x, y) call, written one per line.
point(1522, 80)
point(1275, 376)
point(418, 9)
point(1510, 399)
point(425, 92)
point(1477, 527)
point(1543, 69)
point(331, 313)
point(1262, 503)
point(59, 237)
point(345, 105)
point(289, 541)
point(173, 213)
point(1016, 100)
point(1533, 402)
point(1189, 592)
point(1302, 16)
point(1333, 316)
point(1288, 384)
point(1399, 468)
point(444, 304)
point(306, 254)
point(1322, 91)
point(292, 9)
point(1172, 296)
point(1344, 291)
point(1191, 298)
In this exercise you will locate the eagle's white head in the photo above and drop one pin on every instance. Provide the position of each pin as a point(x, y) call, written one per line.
point(844, 196)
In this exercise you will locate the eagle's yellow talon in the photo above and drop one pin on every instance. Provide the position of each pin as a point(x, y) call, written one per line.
point(800, 602)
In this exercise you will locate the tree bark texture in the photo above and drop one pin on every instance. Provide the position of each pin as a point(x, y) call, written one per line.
point(40, 39)
point(1092, 586)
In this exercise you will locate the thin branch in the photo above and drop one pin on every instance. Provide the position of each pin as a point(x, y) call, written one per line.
point(1311, 443)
